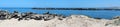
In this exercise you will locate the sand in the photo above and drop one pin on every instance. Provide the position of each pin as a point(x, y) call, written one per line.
point(71, 21)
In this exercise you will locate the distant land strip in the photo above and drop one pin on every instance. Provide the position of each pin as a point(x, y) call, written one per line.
point(75, 9)
point(67, 8)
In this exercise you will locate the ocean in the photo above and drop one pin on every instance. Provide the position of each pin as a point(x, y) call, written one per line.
point(105, 14)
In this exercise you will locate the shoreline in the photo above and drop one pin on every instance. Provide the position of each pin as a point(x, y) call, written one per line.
point(31, 15)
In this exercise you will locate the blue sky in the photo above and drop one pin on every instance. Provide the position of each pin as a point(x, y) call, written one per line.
point(60, 3)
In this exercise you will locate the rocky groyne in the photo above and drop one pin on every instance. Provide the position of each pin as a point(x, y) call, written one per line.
point(6, 15)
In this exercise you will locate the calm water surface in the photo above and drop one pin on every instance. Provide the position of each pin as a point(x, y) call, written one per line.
point(96, 14)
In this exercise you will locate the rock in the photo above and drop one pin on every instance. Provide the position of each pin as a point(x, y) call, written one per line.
point(116, 22)
point(29, 13)
point(48, 17)
point(15, 14)
point(60, 19)
point(116, 17)
point(20, 19)
point(47, 13)
point(3, 14)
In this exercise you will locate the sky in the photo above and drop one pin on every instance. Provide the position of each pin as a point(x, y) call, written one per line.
point(60, 3)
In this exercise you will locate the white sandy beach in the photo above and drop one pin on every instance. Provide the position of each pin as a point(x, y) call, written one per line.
point(72, 21)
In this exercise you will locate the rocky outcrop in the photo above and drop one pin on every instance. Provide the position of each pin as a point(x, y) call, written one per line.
point(27, 16)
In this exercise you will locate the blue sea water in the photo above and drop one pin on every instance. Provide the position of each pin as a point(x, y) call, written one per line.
point(106, 14)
